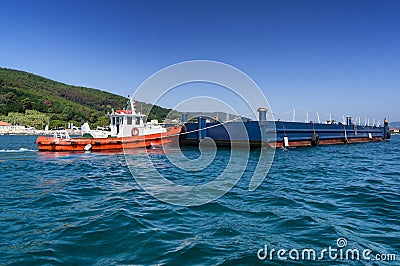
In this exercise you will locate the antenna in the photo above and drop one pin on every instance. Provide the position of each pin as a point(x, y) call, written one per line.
point(294, 115)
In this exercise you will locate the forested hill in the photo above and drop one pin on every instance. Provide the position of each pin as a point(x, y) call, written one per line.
point(23, 94)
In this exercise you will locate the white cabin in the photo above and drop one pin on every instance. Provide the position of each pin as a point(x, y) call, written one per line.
point(127, 123)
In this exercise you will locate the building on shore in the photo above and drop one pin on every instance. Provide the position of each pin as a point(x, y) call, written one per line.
point(5, 127)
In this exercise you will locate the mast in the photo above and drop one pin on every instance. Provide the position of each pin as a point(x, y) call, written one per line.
point(131, 105)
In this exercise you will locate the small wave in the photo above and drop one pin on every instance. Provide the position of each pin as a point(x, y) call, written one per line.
point(19, 150)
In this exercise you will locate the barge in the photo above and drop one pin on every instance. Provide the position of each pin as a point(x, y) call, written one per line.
point(276, 134)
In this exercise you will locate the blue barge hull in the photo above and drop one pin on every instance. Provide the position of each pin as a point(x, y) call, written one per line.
point(281, 133)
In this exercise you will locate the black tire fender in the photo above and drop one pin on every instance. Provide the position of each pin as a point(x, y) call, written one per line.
point(182, 134)
point(315, 140)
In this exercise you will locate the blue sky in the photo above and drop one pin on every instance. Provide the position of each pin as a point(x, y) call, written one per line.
point(339, 57)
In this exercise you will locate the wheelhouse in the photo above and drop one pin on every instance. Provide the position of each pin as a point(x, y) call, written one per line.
point(125, 123)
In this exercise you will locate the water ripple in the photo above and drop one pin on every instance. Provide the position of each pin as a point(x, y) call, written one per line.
point(87, 209)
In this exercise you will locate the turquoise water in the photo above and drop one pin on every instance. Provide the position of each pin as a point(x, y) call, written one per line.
point(86, 208)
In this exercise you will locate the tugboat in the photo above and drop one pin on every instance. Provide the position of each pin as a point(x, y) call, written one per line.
point(128, 131)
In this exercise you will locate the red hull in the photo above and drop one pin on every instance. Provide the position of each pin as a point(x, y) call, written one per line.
point(108, 144)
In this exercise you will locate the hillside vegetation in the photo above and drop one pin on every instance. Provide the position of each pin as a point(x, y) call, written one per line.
point(32, 100)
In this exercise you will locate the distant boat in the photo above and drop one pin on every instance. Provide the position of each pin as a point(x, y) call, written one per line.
point(395, 131)
point(128, 131)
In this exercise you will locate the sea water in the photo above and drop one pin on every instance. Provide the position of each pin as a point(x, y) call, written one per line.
point(87, 208)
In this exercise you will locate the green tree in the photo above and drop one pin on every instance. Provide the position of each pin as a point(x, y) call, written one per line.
point(54, 124)
point(3, 109)
point(26, 104)
point(103, 121)
point(11, 97)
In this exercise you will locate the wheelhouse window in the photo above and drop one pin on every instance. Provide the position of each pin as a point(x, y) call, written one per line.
point(129, 120)
point(137, 120)
point(113, 121)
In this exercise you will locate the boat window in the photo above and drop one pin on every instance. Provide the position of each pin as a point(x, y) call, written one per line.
point(121, 120)
point(129, 120)
point(113, 121)
point(137, 120)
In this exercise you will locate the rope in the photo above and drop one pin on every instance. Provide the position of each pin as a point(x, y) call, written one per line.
point(217, 125)
point(283, 126)
point(280, 115)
